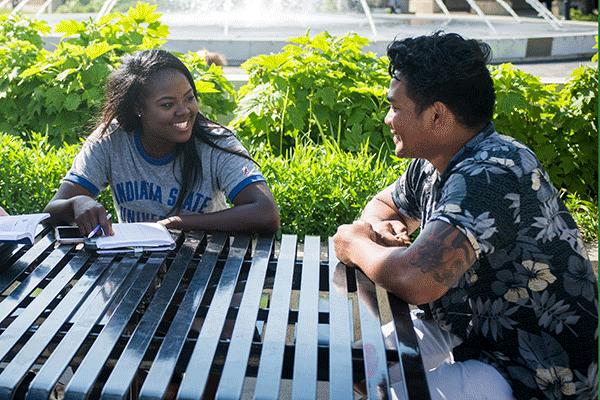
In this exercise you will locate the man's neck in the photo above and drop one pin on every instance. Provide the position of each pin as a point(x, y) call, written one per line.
point(452, 142)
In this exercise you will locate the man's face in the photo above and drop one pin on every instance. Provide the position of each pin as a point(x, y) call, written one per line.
point(410, 136)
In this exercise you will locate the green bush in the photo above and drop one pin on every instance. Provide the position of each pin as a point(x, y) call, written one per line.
point(577, 122)
point(319, 187)
point(585, 213)
point(30, 173)
point(59, 92)
point(216, 93)
point(560, 126)
point(321, 87)
point(577, 15)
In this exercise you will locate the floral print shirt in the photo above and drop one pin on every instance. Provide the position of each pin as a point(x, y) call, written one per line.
point(529, 304)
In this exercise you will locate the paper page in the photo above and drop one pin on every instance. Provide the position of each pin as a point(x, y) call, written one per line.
point(139, 234)
point(133, 249)
point(15, 227)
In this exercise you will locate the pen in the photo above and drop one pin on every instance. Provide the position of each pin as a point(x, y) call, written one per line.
point(97, 228)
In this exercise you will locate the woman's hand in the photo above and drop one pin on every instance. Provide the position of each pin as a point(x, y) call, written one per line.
point(88, 214)
point(254, 210)
point(74, 203)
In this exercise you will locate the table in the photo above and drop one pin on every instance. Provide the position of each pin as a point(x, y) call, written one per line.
point(250, 309)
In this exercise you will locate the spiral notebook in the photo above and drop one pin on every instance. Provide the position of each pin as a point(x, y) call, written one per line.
point(133, 237)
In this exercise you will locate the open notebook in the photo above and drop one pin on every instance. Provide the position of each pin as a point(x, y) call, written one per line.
point(137, 236)
point(20, 228)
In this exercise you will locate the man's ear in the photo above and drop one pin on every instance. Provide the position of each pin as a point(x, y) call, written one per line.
point(441, 114)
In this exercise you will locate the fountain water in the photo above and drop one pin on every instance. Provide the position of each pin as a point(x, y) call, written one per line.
point(241, 29)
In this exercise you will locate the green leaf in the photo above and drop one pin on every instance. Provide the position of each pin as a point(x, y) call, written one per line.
point(99, 49)
point(143, 13)
point(327, 95)
point(205, 87)
point(72, 101)
point(69, 27)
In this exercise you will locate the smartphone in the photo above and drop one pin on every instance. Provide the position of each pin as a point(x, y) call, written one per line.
point(69, 235)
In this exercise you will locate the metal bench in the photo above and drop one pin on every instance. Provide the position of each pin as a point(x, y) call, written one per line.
point(265, 319)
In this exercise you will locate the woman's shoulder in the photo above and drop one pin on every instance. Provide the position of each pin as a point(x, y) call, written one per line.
point(113, 135)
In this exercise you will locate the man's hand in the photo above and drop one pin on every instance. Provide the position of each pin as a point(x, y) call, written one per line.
point(346, 238)
point(392, 233)
point(419, 273)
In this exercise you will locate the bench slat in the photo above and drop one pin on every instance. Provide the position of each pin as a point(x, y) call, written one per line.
point(304, 384)
point(415, 381)
point(29, 284)
point(41, 386)
point(340, 336)
point(198, 369)
point(375, 359)
point(24, 360)
point(118, 383)
point(21, 324)
point(8, 276)
point(87, 372)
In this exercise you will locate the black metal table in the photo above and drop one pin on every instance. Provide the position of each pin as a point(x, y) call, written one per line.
point(259, 313)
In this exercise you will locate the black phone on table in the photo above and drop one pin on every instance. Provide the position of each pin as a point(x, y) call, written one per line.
point(69, 235)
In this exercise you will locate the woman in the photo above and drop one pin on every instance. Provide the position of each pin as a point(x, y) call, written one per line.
point(163, 160)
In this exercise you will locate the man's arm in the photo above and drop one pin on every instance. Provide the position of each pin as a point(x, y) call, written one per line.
point(420, 273)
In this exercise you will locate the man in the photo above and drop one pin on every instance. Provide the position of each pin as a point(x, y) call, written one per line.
point(499, 262)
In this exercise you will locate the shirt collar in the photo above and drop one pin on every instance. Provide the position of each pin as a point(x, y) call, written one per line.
point(465, 150)
point(151, 160)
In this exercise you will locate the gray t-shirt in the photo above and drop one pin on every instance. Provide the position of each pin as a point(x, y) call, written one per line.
point(146, 188)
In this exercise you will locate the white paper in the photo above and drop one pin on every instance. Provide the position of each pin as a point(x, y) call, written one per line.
point(138, 234)
point(17, 227)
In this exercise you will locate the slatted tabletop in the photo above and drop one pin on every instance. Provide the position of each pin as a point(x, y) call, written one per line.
point(264, 318)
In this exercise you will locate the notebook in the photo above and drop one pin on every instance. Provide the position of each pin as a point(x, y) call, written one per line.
point(20, 228)
point(133, 237)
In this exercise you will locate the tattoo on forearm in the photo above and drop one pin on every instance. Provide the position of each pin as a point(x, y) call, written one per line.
point(450, 256)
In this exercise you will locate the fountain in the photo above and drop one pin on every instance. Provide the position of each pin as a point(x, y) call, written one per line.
point(241, 29)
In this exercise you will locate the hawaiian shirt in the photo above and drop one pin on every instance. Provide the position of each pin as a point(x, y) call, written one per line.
point(529, 304)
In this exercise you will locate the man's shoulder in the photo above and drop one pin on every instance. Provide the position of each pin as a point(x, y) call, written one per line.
point(500, 144)
point(499, 151)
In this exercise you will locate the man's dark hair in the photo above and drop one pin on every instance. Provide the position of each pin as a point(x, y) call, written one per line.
point(446, 68)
